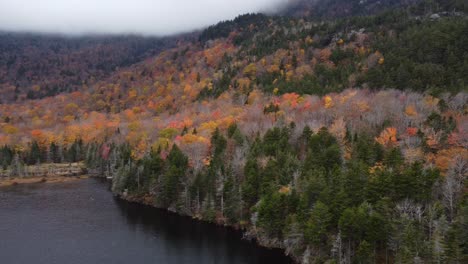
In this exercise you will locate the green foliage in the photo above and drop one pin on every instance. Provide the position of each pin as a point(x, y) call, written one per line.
point(428, 55)
point(35, 154)
point(153, 166)
point(176, 166)
point(223, 29)
point(251, 185)
point(367, 150)
point(275, 141)
point(324, 152)
point(6, 156)
point(75, 152)
point(273, 211)
point(361, 223)
point(456, 243)
point(371, 211)
point(318, 224)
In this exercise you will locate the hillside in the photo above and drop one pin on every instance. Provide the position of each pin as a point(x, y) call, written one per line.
point(326, 9)
point(33, 66)
point(337, 140)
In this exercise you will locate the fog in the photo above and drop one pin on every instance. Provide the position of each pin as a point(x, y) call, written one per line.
point(146, 17)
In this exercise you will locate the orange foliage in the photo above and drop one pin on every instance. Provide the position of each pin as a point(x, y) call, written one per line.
point(444, 158)
point(292, 99)
point(410, 111)
point(43, 139)
point(388, 137)
point(325, 54)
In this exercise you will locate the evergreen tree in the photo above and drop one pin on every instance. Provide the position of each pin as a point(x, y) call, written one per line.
point(176, 166)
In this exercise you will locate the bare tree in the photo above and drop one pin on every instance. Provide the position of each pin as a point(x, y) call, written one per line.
point(453, 184)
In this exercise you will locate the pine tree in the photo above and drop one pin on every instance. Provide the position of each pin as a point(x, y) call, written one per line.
point(176, 166)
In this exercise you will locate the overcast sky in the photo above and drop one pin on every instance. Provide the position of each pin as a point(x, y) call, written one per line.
point(148, 17)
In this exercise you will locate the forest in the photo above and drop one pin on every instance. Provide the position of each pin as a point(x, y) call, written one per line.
point(33, 66)
point(340, 140)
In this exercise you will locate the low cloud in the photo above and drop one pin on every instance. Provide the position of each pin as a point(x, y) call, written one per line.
point(147, 17)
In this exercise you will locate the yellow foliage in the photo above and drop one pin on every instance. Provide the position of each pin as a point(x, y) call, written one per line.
point(191, 138)
point(134, 126)
point(168, 133)
point(378, 166)
point(410, 111)
point(362, 51)
point(132, 93)
point(253, 96)
point(71, 133)
point(9, 129)
point(209, 126)
point(431, 101)
point(289, 75)
point(328, 101)
point(71, 108)
point(137, 110)
point(244, 83)
point(140, 149)
point(250, 70)
point(285, 190)
point(68, 118)
point(162, 143)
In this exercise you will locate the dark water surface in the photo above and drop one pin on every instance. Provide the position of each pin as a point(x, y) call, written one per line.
point(81, 222)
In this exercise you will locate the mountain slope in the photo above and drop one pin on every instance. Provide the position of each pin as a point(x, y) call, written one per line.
point(35, 66)
point(332, 9)
point(339, 141)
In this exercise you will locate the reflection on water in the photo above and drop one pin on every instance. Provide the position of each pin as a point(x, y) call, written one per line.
point(81, 222)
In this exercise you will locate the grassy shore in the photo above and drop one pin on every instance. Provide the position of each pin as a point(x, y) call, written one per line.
point(50, 179)
point(49, 172)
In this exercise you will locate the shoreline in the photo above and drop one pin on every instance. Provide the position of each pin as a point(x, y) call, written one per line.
point(5, 182)
point(247, 233)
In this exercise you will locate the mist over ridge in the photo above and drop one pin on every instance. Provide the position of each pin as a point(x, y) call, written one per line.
point(145, 17)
